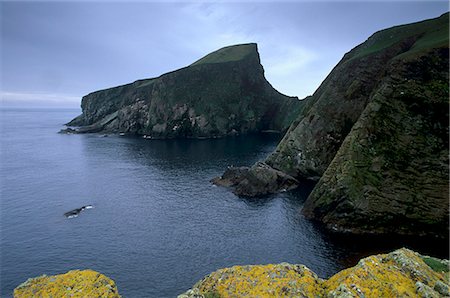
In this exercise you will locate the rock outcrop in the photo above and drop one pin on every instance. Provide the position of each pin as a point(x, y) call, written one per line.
point(402, 273)
point(75, 283)
point(375, 136)
point(224, 93)
point(260, 179)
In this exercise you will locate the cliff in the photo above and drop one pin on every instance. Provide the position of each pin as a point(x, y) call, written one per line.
point(76, 283)
point(375, 136)
point(402, 273)
point(224, 93)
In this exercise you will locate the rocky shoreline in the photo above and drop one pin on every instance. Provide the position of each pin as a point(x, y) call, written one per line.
point(401, 273)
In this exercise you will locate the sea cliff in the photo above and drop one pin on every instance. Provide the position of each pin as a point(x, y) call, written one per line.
point(224, 93)
point(375, 137)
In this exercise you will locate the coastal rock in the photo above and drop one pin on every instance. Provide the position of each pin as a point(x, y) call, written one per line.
point(224, 93)
point(390, 175)
point(75, 283)
point(402, 273)
point(375, 136)
point(260, 179)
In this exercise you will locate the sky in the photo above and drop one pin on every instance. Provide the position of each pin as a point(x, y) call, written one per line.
point(53, 53)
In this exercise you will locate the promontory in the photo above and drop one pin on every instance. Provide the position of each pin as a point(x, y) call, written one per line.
point(223, 93)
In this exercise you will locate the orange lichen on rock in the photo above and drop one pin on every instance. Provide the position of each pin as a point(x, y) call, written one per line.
point(401, 273)
point(75, 283)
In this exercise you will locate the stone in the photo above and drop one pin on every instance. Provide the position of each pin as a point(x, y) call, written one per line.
point(384, 275)
point(75, 283)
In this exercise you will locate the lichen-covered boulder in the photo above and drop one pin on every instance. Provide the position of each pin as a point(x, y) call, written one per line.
point(402, 273)
point(75, 283)
point(271, 280)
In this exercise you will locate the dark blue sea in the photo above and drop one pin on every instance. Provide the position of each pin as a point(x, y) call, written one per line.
point(157, 225)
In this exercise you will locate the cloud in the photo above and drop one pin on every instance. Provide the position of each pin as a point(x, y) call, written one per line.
point(20, 98)
point(285, 61)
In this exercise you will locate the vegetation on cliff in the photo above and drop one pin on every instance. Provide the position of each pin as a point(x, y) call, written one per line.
point(75, 283)
point(375, 135)
point(224, 93)
point(402, 273)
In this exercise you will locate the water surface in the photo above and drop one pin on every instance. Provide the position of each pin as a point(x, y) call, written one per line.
point(157, 225)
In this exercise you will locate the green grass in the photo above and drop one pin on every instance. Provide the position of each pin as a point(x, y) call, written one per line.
point(431, 33)
point(227, 54)
point(435, 264)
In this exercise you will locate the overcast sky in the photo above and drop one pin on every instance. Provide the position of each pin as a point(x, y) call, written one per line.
point(53, 53)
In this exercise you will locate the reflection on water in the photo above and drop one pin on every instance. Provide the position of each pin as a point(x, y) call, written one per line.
point(158, 225)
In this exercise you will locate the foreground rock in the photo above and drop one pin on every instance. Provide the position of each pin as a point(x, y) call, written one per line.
point(375, 136)
point(224, 93)
point(257, 180)
point(402, 273)
point(76, 283)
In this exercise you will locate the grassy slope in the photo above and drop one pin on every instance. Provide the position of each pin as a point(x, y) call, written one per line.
point(228, 54)
point(432, 33)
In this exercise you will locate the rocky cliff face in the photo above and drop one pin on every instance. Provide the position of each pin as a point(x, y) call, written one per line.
point(75, 283)
point(376, 135)
point(402, 273)
point(224, 93)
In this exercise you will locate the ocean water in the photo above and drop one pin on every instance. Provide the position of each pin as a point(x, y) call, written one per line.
point(157, 225)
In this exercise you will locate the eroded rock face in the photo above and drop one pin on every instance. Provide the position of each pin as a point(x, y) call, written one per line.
point(375, 136)
point(390, 175)
point(75, 283)
point(224, 93)
point(402, 273)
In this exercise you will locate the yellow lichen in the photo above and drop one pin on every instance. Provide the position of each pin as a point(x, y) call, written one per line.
point(401, 273)
point(283, 280)
point(388, 275)
point(76, 283)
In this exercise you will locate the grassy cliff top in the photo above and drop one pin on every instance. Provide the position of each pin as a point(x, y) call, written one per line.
point(228, 54)
point(428, 34)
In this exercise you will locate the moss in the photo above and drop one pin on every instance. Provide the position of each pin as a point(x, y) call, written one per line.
point(436, 264)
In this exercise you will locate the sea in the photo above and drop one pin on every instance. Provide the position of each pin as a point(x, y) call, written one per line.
point(157, 224)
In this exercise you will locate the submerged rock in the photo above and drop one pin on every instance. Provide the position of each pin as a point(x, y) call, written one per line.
point(402, 273)
point(75, 283)
point(224, 93)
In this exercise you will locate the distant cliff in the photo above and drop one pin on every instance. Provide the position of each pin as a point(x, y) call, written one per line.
point(375, 137)
point(402, 273)
point(224, 93)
